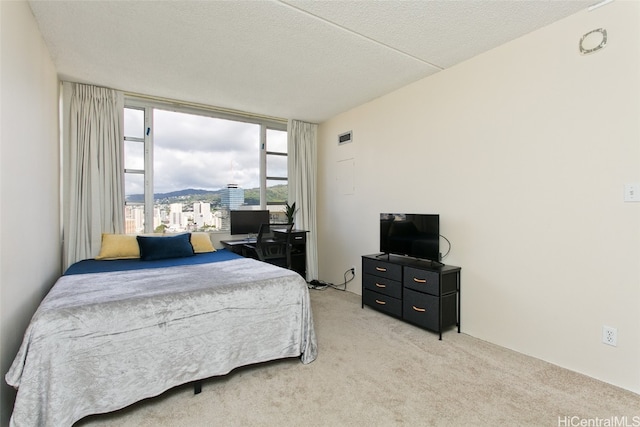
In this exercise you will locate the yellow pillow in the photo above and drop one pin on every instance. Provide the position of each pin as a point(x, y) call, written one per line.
point(201, 243)
point(119, 246)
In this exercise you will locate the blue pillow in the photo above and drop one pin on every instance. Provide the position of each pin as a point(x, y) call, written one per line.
point(152, 248)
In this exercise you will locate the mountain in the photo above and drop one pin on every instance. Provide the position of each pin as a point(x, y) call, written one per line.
point(174, 196)
point(275, 194)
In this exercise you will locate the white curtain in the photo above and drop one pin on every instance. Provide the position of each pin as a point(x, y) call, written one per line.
point(302, 170)
point(93, 168)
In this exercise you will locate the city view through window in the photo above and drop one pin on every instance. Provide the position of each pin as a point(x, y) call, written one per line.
point(190, 170)
point(199, 210)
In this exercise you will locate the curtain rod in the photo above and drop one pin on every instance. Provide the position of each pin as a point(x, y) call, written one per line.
point(188, 104)
point(205, 107)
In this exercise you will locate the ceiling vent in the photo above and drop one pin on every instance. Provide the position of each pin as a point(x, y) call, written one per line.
point(345, 138)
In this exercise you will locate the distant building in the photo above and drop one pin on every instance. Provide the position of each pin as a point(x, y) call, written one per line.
point(134, 219)
point(157, 217)
point(232, 197)
point(176, 217)
point(216, 220)
point(202, 214)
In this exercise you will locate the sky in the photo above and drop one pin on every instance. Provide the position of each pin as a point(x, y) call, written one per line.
point(192, 151)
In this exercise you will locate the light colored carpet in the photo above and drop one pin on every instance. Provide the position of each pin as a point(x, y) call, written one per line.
point(374, 370)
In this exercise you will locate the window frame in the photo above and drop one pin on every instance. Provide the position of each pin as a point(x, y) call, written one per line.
point(149, 104)
point(264, 177)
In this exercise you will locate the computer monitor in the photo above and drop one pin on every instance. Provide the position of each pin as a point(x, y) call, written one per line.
point(247, 221)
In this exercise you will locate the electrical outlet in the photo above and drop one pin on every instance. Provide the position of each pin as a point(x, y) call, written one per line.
point(610, 335)
point(353, 267)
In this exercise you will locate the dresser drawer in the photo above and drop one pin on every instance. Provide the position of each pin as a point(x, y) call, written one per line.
point(298, 238)
point(424, 309)
point(382, 269)
point(421, 309)
point(422, 280)
point(382, 285)
point(382, 302)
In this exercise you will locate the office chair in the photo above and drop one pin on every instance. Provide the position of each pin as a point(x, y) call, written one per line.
point(272, 247)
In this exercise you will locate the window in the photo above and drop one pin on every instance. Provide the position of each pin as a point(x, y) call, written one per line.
point(134, 169)
point(275, 167)
point(186, 168)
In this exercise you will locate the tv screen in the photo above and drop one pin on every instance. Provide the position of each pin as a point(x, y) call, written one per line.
point(414, 235)
point(248, 221)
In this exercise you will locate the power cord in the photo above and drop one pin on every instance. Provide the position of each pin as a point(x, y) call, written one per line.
point(448, 250)
point(320, 285)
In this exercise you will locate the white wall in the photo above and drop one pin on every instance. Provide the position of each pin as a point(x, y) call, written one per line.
point(30, 256)
point(524, 152)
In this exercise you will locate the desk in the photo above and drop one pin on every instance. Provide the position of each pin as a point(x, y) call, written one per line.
point(236, 245)
point(298, 248)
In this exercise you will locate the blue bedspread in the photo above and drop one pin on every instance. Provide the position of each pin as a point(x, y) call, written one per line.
point(102, 266)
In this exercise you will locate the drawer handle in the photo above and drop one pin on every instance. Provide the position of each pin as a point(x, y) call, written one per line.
point(381, 269)
point(421, 310)
point(298, 238)
point(380, 285)
point(415, 279)
point(380, 302)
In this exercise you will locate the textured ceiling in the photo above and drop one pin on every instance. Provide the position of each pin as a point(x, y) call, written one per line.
point(307, 60)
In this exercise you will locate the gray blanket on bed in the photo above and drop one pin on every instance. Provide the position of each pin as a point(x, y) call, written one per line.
point(100, 342)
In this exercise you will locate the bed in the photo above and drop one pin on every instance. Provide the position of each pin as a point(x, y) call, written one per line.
point(109, 334)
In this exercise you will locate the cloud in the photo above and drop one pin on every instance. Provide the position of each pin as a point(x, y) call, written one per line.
point(192, 151)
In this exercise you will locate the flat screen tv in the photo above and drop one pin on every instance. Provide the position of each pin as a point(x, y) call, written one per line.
point(414, 235)
point(247, 221)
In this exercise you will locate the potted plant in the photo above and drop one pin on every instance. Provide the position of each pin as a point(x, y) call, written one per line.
point(290, 211)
